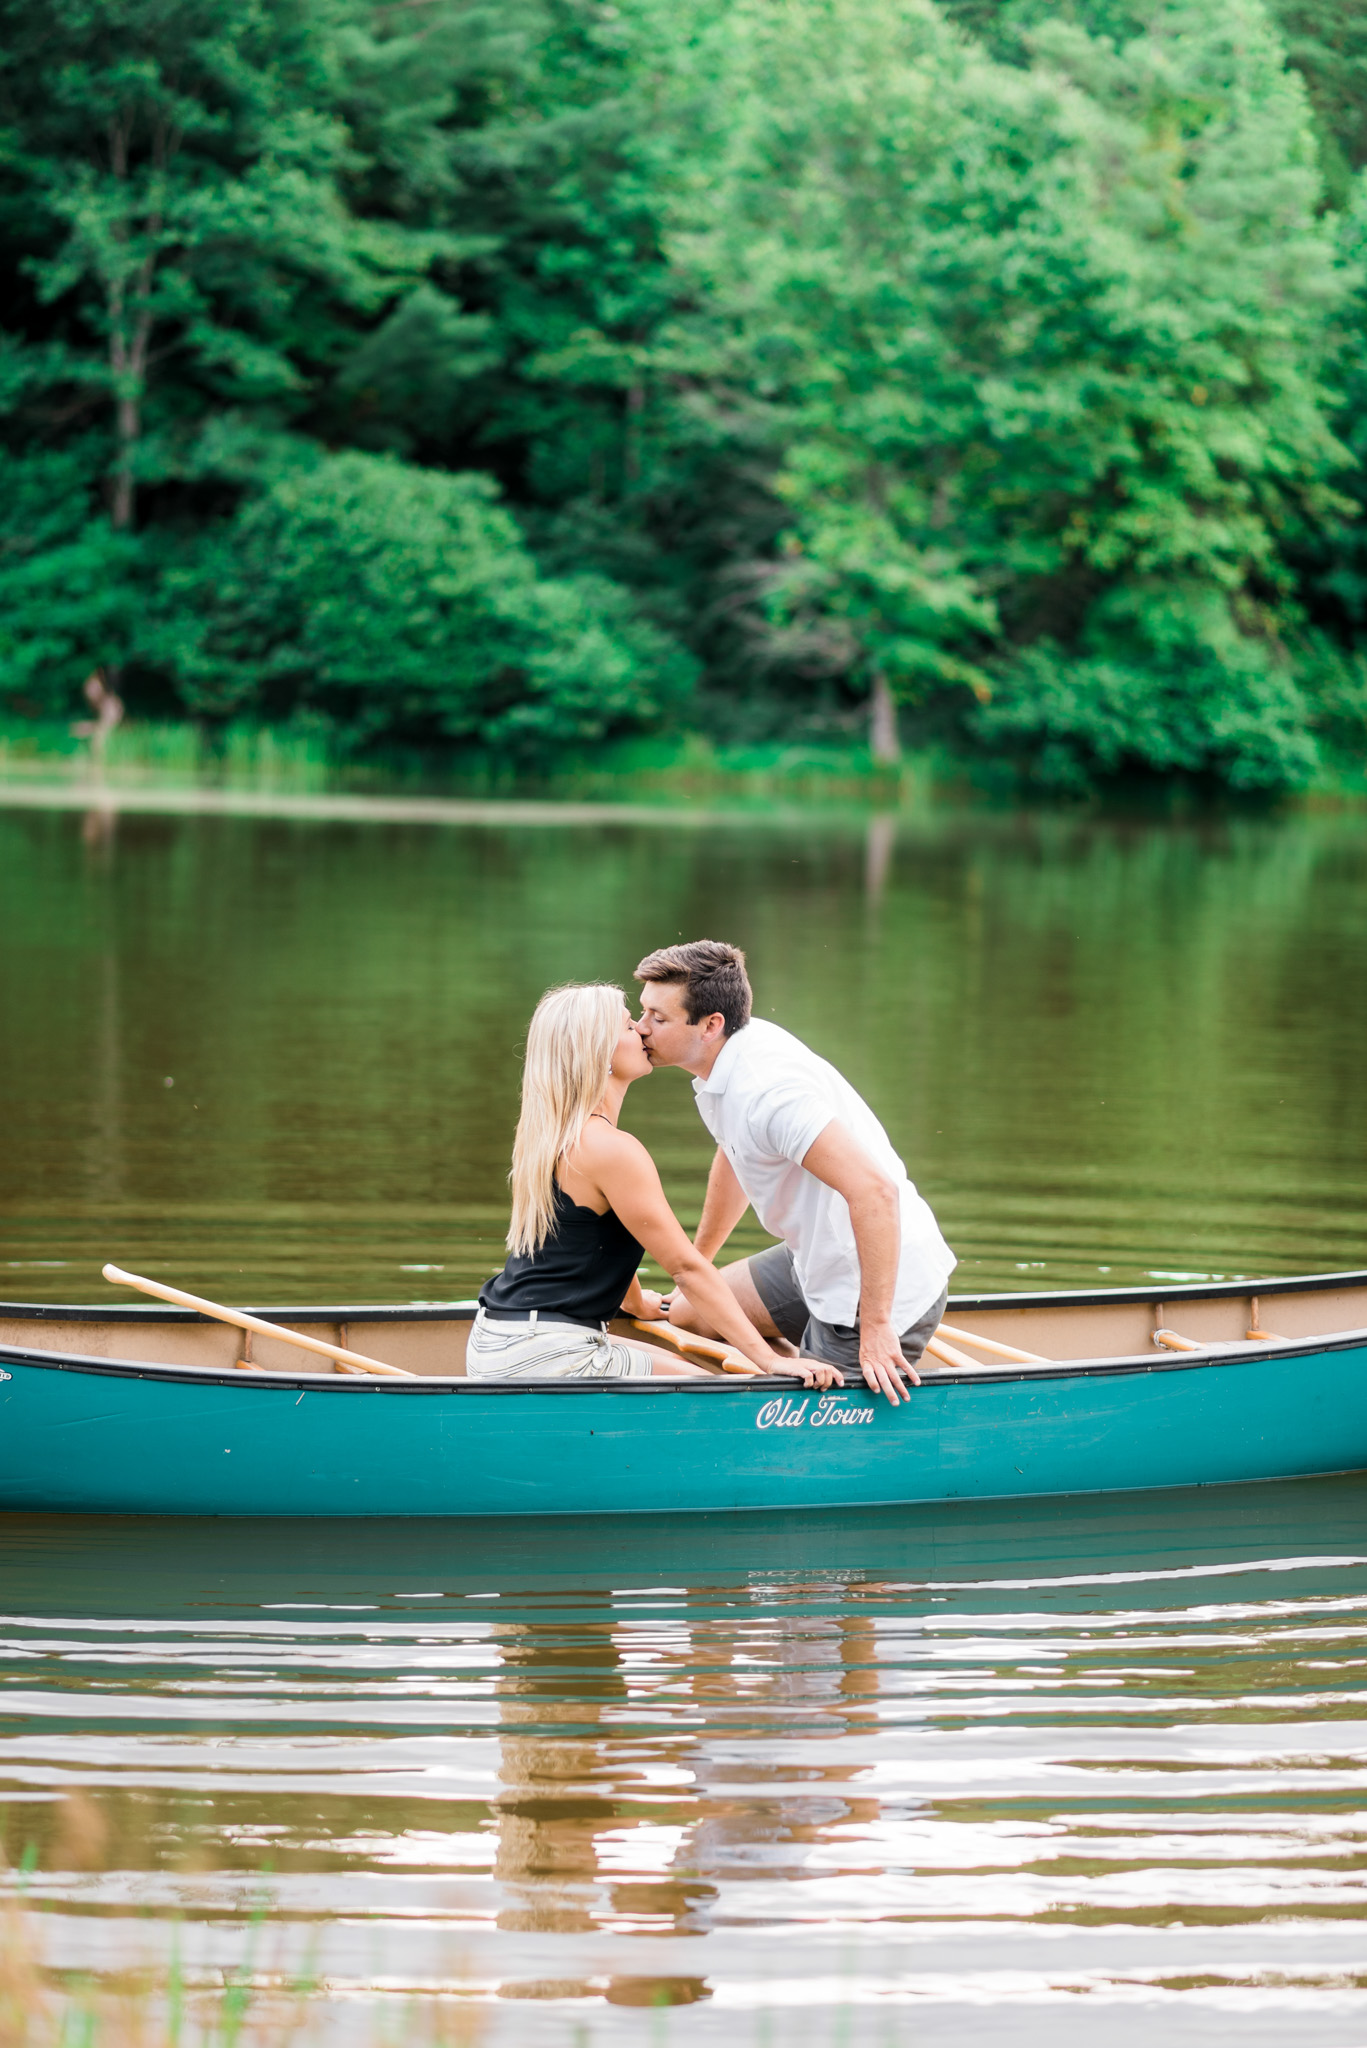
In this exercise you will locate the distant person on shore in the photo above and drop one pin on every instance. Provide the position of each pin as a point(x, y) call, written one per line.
point(586, 1199)
point(860, 1278)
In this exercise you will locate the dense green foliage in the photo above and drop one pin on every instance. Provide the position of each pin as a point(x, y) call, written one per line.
point(519, 376)
point(383, 594)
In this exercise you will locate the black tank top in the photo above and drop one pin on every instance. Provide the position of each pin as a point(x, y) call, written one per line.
point(582, 1270)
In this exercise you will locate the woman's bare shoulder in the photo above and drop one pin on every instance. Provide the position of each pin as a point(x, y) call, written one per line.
point(605, 1141)
point(604, 1145)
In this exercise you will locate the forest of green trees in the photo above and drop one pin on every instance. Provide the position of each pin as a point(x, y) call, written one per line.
point(518, 375)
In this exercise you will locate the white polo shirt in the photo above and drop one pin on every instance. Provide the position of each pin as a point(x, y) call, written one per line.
point(766, 1101)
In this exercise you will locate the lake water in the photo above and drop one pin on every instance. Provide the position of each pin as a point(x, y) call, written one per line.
point(279, 1060)
point(1057, 1773)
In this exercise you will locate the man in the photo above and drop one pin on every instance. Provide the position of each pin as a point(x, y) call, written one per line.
point(859, 1279)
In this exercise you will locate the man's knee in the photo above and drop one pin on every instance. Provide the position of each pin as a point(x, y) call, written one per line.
point(684, 1316)
point(741, 1283)
point(915, 1340)
point(736, 1278)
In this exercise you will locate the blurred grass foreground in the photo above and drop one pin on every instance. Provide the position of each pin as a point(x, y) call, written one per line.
point(983, 378)
point(250, 2003)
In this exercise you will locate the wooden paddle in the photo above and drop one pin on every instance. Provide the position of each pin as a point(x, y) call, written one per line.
point(707, 1348)
point(947, 1355)
point(991, 1346)
point(242, 1321)
point(721, 1354)
point(689, 1346)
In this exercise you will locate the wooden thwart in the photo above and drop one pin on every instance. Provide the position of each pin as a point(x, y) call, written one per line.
point(349, 1361)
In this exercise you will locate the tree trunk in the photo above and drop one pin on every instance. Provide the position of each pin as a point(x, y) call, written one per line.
point(631, 452)
point(130, 334)
point(129, 426)
point(884, 744)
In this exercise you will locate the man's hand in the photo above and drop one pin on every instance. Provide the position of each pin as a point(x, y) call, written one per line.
point(882, 1363)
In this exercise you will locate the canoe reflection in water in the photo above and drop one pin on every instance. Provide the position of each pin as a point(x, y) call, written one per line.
point(571, 1846)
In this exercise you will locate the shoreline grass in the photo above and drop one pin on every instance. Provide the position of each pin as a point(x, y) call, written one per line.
point(680, 769)
point(250, 758)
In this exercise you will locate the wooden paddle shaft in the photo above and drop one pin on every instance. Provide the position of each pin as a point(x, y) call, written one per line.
point(242, 1321)
point(689, 1346)
point(991, 1346)
point(947, 1355)
point(938, 1347)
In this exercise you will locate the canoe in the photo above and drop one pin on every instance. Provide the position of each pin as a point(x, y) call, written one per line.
point(136, 1410)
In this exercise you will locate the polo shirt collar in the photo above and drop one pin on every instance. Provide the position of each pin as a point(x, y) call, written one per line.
point(722, 1066)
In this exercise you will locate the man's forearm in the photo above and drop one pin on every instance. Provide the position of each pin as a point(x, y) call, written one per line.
point(875, 1207)
point(723, 1206)
point(876, 1216)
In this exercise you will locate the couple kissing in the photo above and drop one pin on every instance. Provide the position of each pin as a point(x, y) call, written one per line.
point(858, 1280)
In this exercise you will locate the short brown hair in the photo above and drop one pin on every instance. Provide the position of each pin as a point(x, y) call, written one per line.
point(712, 976)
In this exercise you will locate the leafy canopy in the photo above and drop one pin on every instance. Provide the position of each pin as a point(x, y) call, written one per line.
point(506, 375)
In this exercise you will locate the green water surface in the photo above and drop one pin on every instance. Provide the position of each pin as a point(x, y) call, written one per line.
point(1054, 1773)
point(279, 1059)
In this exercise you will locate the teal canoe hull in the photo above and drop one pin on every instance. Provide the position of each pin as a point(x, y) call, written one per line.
point(92, 1436)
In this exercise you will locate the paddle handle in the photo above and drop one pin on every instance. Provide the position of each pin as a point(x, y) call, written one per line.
point(242, 1321)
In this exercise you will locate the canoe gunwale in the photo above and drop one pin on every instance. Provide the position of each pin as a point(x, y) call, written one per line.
point(1264, 1285)
point(1240, 1288)
point(1135, 1363)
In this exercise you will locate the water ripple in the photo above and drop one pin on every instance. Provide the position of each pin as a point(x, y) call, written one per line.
point(1006, 1769)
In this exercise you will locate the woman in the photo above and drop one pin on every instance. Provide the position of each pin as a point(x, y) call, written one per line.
point(586, 1200)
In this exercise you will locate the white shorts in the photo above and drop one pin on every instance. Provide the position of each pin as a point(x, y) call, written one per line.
point(550, 1351)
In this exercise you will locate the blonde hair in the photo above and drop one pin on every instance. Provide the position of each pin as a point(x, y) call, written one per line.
point(570, 1043)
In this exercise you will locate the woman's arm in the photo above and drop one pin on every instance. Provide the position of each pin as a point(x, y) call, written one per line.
point(620, 1167)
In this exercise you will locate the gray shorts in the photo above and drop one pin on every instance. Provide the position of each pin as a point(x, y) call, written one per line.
point(834, 1343)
